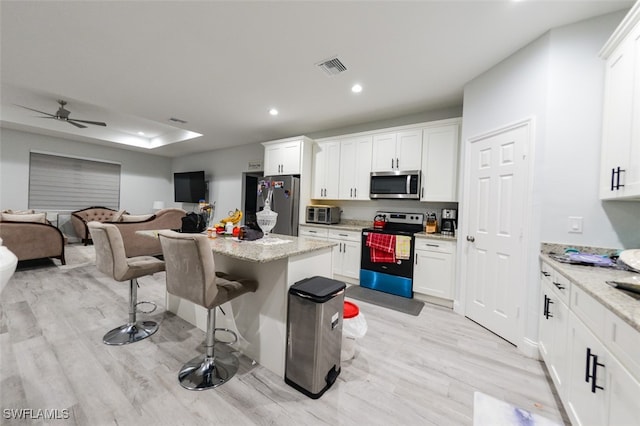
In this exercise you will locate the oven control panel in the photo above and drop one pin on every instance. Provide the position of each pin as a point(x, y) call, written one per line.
point(404, 218)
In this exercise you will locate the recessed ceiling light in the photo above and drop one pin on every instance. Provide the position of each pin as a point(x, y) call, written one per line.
point(141, 133)
point(273, 111)
point(356, 88)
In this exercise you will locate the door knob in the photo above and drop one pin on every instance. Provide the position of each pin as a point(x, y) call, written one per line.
point(470, 238)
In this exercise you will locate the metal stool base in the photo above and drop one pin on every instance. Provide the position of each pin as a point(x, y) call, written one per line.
point(130, 333)
point(204, 372)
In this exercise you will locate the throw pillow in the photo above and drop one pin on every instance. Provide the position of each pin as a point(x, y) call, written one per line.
point(36, 217)
point(136, 217)
point(118, 216)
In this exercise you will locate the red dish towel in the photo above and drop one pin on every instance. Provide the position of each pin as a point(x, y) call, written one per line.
point(382, 247)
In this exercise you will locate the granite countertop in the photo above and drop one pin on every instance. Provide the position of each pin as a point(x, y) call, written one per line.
point(592, 279)
point(436, 236)
point(345, 225)
point(266, 249)
point(358, 225)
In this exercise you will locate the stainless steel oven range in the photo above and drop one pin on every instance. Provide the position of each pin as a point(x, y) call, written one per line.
point(387, 253)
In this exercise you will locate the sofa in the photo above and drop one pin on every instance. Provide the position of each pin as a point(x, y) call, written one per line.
point(141, 245)
point(80, 218)
point(31, 236)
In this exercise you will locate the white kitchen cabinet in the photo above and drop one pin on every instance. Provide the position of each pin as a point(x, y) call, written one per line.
point(434, 268)
point(355, 168)
point(326, 169)
point(346, 256)
point(312, 232)
point(440, 163)
point(553, 329)
point(593, 364)
point(397, 151)
point(586, 400)
point(282, 158)
point(620, 151)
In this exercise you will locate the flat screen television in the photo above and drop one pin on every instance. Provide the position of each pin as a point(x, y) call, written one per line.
point(189, 187)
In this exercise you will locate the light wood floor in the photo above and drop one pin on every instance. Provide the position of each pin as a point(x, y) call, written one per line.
point(407, 371)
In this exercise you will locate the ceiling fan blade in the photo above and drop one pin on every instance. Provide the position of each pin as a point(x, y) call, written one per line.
point(31, 109)
point(78, 125)
point(97, 123)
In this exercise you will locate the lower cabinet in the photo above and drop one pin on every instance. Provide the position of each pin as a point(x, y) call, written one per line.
point(434, 268)
point(346, 255)
point(595, 376)
point(553, 329)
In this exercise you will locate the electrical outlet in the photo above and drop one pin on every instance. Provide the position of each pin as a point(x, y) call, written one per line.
point(575, 224)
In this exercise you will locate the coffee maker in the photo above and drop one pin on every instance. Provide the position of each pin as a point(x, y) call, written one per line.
point(449, 220)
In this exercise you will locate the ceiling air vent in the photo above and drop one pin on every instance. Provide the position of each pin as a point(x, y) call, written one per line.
point(332, 66)
point(177, 120)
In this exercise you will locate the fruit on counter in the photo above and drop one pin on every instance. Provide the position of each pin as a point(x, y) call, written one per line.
point(234, 217)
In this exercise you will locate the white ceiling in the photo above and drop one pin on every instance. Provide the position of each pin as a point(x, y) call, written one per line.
point(221, 65)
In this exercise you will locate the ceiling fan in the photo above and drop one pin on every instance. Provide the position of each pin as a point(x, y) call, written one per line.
point(63, 115)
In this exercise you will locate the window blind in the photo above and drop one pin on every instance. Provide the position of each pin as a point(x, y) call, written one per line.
point(67, 183)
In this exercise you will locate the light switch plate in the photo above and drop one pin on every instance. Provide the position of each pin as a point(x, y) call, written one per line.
point(575, 224)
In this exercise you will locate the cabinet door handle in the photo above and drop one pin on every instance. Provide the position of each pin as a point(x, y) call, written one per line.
point(593, 374)
point(422, 192)
point(355, 192)
point(432, 245)
point(545, 273)
point(416, 258)
point(559, 286)
point(344, 235)
point(613, 175)
point(397, 164)
point(618, 186)
point(392, 163)
point(350, 192)
point(547, 302)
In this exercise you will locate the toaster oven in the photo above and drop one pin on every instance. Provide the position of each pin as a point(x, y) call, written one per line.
point(327, 215)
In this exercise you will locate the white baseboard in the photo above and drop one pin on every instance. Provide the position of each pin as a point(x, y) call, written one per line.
point(530, 348)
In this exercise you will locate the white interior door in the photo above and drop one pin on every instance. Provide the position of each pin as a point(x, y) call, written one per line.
point(495, 272)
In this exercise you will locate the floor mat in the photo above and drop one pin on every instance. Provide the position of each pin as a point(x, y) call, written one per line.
point(386, 300)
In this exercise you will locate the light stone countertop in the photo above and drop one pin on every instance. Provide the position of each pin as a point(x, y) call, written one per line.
point(262, 251)
point(358, 225)
point(592, 279)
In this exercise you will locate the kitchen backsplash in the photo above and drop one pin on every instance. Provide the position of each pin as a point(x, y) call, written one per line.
point(366, 210)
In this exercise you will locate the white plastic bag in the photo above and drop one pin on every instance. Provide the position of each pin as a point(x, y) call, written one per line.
point(355, 327)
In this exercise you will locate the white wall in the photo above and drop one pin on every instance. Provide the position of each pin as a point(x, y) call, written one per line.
point(223, 169)
point(557, 80)
point(571, 170)
point(145, 178)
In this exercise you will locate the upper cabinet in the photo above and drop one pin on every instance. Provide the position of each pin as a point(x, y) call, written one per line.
point(397, 151)
point(620, 155)
point(283, 158)
point(440, 162)
point(355, 168)
point(326, 169)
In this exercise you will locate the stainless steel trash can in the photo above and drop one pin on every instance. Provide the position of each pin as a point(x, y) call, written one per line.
point(314, 334)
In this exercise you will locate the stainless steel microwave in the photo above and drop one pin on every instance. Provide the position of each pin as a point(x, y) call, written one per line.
point(327, 215)
point(398, 184)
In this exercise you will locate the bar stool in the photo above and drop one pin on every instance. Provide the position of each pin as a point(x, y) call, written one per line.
point(191, 275)
point(112, 260)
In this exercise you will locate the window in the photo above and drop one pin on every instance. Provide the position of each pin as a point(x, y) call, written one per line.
point(67, 183)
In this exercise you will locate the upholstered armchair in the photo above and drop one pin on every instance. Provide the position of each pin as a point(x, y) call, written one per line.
point(31, 236)
point(80, 218)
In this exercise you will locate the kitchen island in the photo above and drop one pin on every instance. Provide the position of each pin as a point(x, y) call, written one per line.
point(259, 318)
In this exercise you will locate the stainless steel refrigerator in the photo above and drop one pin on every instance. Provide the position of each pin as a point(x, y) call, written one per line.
point(285, 201)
